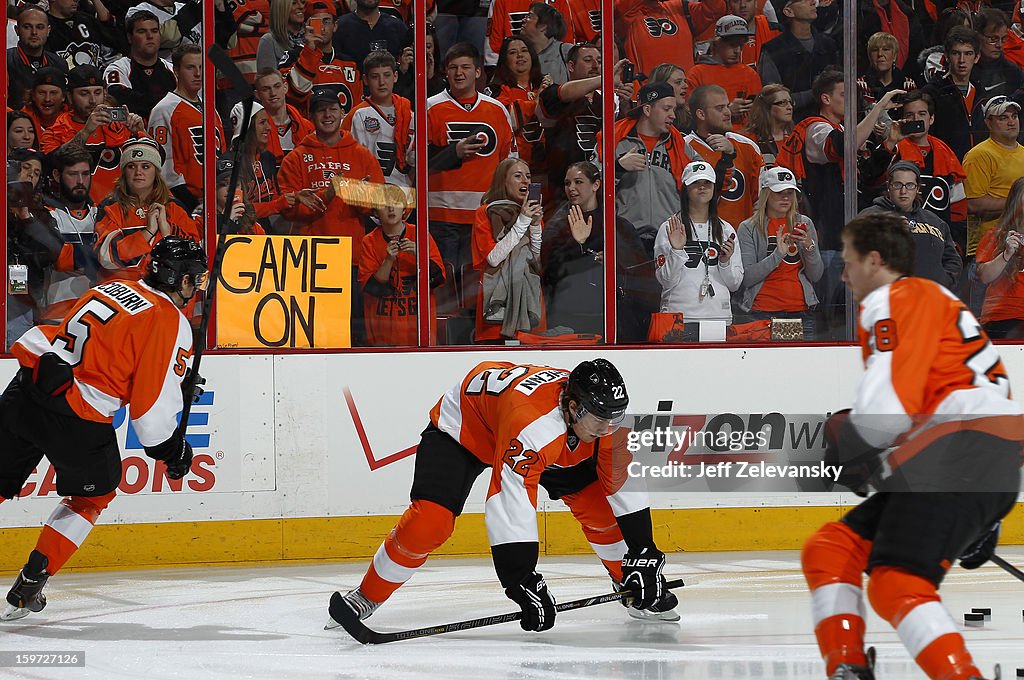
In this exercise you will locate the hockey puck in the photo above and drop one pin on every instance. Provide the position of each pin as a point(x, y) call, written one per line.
point(973, 619)
point(985, 611)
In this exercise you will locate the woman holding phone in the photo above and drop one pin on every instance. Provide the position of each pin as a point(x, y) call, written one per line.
point(506, 250)
point(781, 261)
point(1000, 264)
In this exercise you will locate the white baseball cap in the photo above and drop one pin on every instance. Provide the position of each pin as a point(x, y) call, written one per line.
point(236, 117)
point(697, 171)
point(778, 179)
point(732, 26)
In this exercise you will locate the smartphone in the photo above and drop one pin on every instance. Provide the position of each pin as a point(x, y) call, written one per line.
point(628, 72)
point(911, 127)
point(533, 193)
point(899, 98)
point(316, 25)
point(119, 114)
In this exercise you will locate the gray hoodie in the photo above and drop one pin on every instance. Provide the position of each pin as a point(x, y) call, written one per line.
point(758, 263)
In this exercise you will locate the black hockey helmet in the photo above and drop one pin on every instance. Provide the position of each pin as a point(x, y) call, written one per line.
point(597, 387)
point(173, 257)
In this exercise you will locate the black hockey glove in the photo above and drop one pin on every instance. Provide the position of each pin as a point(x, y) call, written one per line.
point(533, 598)
point(197, 387)
point(981, 551)
point(858, 460)
point(641, 573)
point(176, 453)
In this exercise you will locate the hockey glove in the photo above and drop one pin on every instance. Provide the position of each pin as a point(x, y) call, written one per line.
point(858, 460)
point(981, 551)
point(533, 598)
point(197, 387)
point(176, 453)
point(641, 573)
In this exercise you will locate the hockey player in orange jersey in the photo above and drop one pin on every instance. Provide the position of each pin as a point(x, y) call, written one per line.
point(936, 395)
point(123, 342)
point(533, 426)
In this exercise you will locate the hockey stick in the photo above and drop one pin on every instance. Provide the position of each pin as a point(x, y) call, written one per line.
point(348, 619)
point(230, 71)
point(1010, 569)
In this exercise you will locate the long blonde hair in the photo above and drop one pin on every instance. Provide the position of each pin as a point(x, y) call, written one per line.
point(159, 193)
point(280, 10)
point(761, 218)
point(1012, 217)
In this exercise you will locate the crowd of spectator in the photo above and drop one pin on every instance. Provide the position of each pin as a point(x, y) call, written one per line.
point(729, 166)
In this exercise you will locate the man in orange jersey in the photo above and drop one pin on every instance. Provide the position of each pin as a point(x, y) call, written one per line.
point(935, 393)
point(722, 67)
point(660, 31)
point(318, 64)
point(123, 342)
point(89, 123)
point(533, 426)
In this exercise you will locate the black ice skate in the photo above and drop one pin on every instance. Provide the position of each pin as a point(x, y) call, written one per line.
point(997, 676)
point(357, 602)
point(850, 671)
point(662, 610)
point(26, 595)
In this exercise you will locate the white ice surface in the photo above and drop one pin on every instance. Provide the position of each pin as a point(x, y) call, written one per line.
point(744, 615)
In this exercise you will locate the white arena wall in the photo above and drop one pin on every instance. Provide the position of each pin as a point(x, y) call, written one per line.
point(308, 456)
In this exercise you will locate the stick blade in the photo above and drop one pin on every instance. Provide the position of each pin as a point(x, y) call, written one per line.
point(349, 620)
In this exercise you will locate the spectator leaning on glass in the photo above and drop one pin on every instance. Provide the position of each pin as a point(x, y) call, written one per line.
point(506, 248)
point(696, 257)
point(935, 253)
point(572, 260)
point(138, 213)
point(33, 243)
point(781, 261)
point(1001, 267)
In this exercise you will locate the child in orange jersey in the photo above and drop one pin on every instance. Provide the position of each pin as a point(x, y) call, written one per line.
point(123, 342)
point(533, 426)
point(936, 391)
point(388, 271)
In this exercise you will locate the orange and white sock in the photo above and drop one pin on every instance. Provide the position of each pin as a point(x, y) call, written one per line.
point(67, 528)
point(911, 604)
point(833, 561)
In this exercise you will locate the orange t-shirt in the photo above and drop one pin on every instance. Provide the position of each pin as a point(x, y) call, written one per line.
point(649, 142)
point(1004, 297)
point(782, 290)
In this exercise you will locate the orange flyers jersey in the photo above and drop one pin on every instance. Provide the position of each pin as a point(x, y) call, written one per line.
point(586, 19)
point(391, 319)
point(928, 362)
point(763, 32)
point(455, 193)
point(658, 32)
point(252, 17)
point(530, 131)
point(310, 69)
point(128, 343)
point(177, 126)
point(740, 190)
point(506, 18)
point(104, 144)
point(509, 416)
point(122, 241)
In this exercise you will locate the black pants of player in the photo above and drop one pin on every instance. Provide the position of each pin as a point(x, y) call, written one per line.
point(925, 532)
point(84, 454)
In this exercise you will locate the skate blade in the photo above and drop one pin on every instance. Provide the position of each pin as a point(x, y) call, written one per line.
point(12, 613)
point(331, 624)
point(658, 617)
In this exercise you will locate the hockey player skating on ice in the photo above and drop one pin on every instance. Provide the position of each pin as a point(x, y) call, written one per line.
point(123, 342)
point(934, 390)
point(533, 426)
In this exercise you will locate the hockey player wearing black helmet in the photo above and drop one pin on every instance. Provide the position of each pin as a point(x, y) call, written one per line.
point(123, 341)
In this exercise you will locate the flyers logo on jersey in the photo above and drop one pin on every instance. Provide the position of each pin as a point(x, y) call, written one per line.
point(458, 131)
point(936, 193)
point(735, 185)
point(658, 26)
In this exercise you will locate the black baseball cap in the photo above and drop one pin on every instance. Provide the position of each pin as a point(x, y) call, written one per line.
point(649, 94)
point(322, 95)
point(50, 75)
point(84, 75)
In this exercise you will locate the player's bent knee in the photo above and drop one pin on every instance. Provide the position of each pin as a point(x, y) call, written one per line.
point(893, 592)
point(89, 507)
point(834, 554)
point(425, 527)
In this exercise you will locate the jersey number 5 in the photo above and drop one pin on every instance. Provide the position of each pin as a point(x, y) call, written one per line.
point(77, 329)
